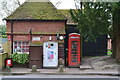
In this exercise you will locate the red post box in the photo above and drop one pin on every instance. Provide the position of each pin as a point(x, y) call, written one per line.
point(74, 50)
point(8, 62)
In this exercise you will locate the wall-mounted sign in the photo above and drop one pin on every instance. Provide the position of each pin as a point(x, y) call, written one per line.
point(74, 37)
point(50, 38)
point(50, 54)
point(9, 37)
point(36, 39)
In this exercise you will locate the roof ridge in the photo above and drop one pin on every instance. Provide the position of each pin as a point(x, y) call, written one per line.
point(37, 1)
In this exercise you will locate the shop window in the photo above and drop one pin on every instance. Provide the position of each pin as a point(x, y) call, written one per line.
point(21, 47)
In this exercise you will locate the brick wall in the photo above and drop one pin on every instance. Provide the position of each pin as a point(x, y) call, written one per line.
point(48, 27)
point(43, 30)
point(44, 38)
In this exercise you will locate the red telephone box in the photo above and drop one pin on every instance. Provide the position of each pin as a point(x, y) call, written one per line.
point(74, 50)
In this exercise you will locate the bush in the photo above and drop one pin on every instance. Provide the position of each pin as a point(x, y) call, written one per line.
point(20, 58)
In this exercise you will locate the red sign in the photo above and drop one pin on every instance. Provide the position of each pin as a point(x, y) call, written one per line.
point(9, 37)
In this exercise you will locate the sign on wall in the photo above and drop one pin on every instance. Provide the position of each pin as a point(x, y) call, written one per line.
point(36, 39)
point(50, 52)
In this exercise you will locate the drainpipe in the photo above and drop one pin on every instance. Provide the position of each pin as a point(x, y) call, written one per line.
point(30, 35)
point(11, 37)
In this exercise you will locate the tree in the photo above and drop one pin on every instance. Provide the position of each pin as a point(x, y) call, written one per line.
point(115, 31)
point(2, 30)
point(57, 3)
point(98, 18)
point(92, 19)
point(8, 6)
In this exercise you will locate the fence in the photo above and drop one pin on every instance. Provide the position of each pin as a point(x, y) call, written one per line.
point(3, 40)
point(7, 47)
point(2, 60)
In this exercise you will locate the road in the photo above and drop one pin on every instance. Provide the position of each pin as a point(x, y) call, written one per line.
point(59, 77)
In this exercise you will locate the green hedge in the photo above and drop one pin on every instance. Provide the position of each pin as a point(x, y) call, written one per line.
point(20, 58)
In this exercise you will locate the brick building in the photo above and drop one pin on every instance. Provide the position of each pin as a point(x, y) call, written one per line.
point(34, 23)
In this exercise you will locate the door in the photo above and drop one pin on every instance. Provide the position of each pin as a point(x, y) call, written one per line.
point(74, 50)
point(50, 54)
point(74, 57)
point(35, 58)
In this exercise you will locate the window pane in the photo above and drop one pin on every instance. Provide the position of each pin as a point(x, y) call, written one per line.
point(74, 45)
point(15, 43)
point(74, 52)
point(27, 50)
point(27, 47)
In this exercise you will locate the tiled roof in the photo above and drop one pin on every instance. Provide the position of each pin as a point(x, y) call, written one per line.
point(36, 10)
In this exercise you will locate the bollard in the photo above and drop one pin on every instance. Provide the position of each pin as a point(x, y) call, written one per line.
point(61, 68)
point(34, 68)
point(61, 65)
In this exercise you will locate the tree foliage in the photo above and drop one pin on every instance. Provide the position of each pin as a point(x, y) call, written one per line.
point(97, 18)
point(8, 6)
point(93, 19)
point(2, 30)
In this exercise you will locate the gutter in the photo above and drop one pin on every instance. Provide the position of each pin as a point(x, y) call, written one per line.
point(35, 19)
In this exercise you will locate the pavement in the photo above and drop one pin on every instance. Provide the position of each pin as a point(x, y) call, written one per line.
point(103, 65)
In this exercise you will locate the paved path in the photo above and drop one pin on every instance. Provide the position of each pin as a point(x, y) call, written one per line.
point(68, 71)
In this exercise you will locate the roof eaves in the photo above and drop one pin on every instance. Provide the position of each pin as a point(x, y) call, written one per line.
point(35, 19)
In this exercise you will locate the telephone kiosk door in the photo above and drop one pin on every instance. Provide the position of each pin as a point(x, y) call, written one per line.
point(74, 50)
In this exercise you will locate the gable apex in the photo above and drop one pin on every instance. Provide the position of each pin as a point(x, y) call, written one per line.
point(37, 1)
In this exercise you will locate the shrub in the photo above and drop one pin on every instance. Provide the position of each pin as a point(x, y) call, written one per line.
point(20, 58)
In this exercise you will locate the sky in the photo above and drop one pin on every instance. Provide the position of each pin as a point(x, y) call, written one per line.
point(64, 4)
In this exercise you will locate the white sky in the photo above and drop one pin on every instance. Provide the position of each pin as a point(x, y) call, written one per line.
point(65, 4)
